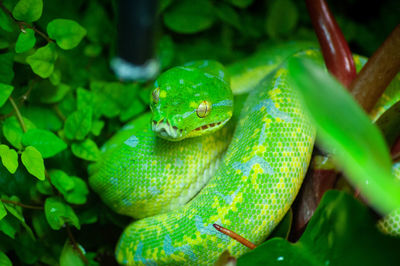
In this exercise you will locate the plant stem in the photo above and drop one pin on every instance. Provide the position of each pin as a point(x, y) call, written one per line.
point(22, 24)
point(378, 72)
point(75, 245)
point(18, 114)
point(336, 52)
point(33, 207)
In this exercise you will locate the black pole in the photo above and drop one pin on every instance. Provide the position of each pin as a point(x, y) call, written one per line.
point(136, 28)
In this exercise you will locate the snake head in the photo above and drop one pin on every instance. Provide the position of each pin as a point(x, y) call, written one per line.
point(191, 100)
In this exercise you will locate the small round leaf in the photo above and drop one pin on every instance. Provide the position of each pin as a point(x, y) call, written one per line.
point(66, 32)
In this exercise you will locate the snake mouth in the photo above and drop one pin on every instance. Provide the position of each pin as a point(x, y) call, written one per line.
point(210, 126)
point(166, 130)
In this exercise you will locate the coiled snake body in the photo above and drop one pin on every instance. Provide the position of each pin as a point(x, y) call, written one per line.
point(244, 176)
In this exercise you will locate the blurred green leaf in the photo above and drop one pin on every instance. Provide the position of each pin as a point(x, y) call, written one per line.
point(9, 225)
point(55, 95)
point(281, 19)
point(42, 61)
point(358, 145)
point(189, 16)
point(33, 161)
point(44, 187)
point(136, 107)
point(241, 3)
point(341, 232)
point(166, 51)
point(3, 211)
point(45, 141)
point(9, 158)
point(28, 10)
point(228, 14)
point(6, 22)
point(26, 41)
point(42, 117)
point(78, 124)
point(58, 213)
point(97, 126)
point(4, 260)
point(67, 33)
point(6, 69)
point(86, 150)
point(74, 189)
point(282, 230)
point(5, 92)
point(13, 132)
point(70, 256)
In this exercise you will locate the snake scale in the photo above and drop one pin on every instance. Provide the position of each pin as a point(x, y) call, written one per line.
point(243, 174)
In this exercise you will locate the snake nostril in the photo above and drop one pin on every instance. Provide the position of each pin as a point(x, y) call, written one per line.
point(154, 122)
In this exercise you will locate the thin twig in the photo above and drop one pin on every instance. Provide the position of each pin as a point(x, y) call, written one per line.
point(33, 207)
point(59, 113)
point(75, 245)
point(235, 236)
point(18, 114)
point(22, 24)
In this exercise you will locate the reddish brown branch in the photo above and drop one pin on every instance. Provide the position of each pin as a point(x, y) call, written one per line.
point(33, 207)
point(336, 52)
point(379, 71)
point(235, 236)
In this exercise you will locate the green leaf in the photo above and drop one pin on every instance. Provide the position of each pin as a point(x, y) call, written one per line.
point(9, 158)
point(339, 233)
point(3, 211)
point(42, 117)
point(227, 14)
point(283, 228)
point(13, 132)
point(9, 225)
point(86, 149)
point(277, 24)
point(4, 260)
point(33, 161)
point(42, 61)
point(26, 41)
point(45, 141)
point(67, 33)
point(6, 23)
point(5, 92)
point(189, 16)
point(58, 213)
point(44, 187)
point(70, 256)
point(359, 147)
point(51, 94)
point(136, 107)
point(97, 126)
point(28, 10)
point(241, 3)
point(74, 189)
point(78, 124)
point(6, 69)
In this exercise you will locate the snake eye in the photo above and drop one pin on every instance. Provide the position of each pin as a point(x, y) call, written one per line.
point(204, 109)
point(156, 95)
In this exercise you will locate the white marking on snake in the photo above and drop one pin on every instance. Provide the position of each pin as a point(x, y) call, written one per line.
point(246, 167)
point(170, 249)
point(132, 141)
point(209, 229)
point(272, 110)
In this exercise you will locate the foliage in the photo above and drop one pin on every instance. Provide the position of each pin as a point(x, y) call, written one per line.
point(336, 235)
point(59, 103)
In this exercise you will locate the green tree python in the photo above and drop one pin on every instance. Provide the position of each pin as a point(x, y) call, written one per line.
point(241, 173)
